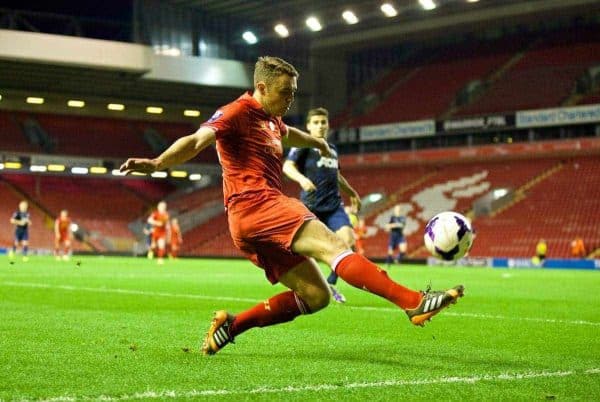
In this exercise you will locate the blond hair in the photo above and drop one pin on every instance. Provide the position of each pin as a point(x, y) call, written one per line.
point(319, 111)
point(267, 68)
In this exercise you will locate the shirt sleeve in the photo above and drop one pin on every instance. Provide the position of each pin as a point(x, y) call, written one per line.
point(223, 121)
point(294, 154)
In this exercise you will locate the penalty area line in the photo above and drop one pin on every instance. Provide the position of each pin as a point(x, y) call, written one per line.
point(173, 394)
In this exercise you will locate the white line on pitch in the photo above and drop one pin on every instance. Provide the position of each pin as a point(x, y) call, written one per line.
point(493, 316)
point(172, 394)
point(128, 292)
point(249, 300)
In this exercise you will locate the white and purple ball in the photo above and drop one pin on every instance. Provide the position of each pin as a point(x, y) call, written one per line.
point(448, 236)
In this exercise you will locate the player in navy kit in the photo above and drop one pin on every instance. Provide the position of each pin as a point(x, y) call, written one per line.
point(22, 221)
point(397, 240)
point(321, 181)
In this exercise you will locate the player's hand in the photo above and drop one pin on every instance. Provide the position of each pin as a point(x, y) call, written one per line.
point(323, 147)
point(141, 165)
point(307, 185)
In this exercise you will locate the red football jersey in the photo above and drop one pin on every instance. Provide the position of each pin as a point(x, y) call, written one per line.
point(63, 224)
point(175, 234)
point(249, 146)
point(162, 218)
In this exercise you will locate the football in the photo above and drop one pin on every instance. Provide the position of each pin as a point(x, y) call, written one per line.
point(448, 236)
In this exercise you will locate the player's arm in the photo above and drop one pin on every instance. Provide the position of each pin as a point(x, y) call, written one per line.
point(350, 192)
point(391, 225)
point(154, 222)
point(291, 170)
point(182, 150)
point(300, 139)
point(56, 231)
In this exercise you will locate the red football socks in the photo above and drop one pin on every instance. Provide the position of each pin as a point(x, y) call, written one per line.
point(363, 274)
point(280, 308)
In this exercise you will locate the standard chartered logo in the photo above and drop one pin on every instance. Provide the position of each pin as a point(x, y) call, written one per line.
point(327, 162)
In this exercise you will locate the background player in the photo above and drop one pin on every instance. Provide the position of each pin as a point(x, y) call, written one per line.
point(176, 239)
point(150, 246)
point(321, 181)
point(396, 240)
point(541, 248)
point(278, 233)
point(62, 235)
point(578, 248)
point(159, 219)
point(22, 221)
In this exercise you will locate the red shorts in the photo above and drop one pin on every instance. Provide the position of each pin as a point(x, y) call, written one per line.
point(263, 226)
point(159, 235)
point(63, 237)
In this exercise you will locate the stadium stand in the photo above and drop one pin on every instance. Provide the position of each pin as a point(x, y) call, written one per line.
point(557, 59)
point(13, 137)
point(562, 206)
point(40, 233)
point(440, 188)
point(430, 88)
point(148, 191)
point(86, 208)
point(515, 75)
point(192, 200)
point(72, 135)
point(452, 189)
point(172, 131)
point(590, 99)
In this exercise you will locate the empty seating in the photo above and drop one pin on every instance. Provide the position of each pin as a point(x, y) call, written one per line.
point(558, 209)
point(13, 137)
point(544, 77)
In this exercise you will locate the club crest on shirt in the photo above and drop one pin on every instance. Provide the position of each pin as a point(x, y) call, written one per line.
point(215, 116)
point(263, 125)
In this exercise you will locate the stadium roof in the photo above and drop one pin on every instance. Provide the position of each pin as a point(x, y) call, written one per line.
point(262, 16)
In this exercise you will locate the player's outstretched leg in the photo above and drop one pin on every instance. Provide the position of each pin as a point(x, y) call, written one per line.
point(310, 294)
point(218, 335)
point(432, 303)
point(420, 306)
point(315, 240)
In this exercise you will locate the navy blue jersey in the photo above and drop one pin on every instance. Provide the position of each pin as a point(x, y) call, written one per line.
point(323, 172)
point(398, 219)
point(21, 216)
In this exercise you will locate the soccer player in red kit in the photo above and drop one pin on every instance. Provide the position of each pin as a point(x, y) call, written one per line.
point(276, 232)
point(159, 219)
point(62, 235)
point(176, 238)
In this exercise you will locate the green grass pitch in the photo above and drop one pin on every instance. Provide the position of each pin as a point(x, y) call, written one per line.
point(127, 329)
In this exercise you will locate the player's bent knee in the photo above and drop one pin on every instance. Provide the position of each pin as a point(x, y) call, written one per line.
point(316, 298)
